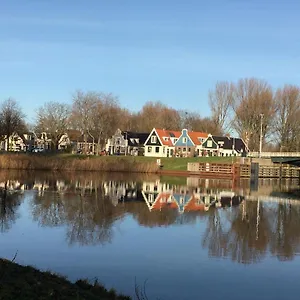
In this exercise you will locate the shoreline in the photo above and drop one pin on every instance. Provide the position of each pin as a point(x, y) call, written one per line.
point(29, 283)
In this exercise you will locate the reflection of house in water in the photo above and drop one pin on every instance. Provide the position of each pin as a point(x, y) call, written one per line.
point(41, 186)
point(159, 195)
point(121, 191)
point(13, 185)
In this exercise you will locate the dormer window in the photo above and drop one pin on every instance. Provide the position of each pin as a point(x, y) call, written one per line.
point(184, 140)
point(166, 138)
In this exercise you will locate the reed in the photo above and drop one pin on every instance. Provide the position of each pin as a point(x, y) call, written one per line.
point(75, 163)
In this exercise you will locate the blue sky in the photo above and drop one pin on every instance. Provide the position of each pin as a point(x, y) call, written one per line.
point(160, 50)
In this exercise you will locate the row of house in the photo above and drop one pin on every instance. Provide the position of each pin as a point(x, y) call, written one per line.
point(157, 143)
point(168, 143)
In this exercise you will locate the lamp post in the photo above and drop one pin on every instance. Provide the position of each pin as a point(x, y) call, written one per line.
point(261, 132)
point(126, 143)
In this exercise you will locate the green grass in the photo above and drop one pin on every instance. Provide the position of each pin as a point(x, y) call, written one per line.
point(27, 283)
point(180, 163)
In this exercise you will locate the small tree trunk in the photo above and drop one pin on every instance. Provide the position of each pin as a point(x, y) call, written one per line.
point(85, 142)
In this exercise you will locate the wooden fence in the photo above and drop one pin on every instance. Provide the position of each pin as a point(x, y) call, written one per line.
point(242, 170)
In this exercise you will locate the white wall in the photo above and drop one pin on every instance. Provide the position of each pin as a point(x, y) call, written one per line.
point(162, 151)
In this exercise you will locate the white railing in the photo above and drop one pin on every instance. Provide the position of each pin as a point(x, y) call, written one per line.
point(273, 199)
point(273, 154)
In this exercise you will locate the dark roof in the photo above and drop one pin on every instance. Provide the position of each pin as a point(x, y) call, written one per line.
point(230, 142)
point(129, 135)
point(77, 136)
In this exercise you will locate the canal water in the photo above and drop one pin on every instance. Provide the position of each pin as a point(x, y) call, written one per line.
point(186, 238)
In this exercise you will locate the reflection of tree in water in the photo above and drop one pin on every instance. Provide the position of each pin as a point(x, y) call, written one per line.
point(48, 209)
point(255, 228)
point(245, 240)
point(89, 217)
point(154, 218)
point(8, 209)
point(91, 220)
point(285, 239)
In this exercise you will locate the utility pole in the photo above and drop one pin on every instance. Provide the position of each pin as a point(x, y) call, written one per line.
point(260, 136)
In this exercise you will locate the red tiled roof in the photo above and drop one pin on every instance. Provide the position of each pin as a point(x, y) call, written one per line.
point(194, 135)
point(162, 133)
point(194, 205)
point(163, 201)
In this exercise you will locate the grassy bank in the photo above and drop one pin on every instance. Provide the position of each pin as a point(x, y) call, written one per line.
point(69, 162)
point(27, 283)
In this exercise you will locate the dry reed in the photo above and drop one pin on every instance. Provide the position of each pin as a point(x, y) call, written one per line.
point(61, 163)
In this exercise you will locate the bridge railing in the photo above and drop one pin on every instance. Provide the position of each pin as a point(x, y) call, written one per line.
point(273, 154)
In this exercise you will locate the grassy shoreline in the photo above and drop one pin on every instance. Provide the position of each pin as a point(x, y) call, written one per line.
point(27, 283)
point(69, 162)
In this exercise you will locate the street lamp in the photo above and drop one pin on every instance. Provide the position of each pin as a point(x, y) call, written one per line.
point(260, 137)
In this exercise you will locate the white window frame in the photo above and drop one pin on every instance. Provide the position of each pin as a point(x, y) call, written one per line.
point(153, 139)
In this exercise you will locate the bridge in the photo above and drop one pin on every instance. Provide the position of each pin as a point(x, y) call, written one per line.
point(291, 158)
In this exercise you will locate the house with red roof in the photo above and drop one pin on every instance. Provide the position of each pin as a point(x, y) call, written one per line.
point(161, 143)
point(189, 143)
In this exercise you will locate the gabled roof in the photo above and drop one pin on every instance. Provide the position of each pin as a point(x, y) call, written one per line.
point(195, 136)
point(194, 204)
point(231, 142)
point(133, 136)
point(163, 134)
point(164, 199)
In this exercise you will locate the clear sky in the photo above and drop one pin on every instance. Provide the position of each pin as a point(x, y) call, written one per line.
point(167, 50)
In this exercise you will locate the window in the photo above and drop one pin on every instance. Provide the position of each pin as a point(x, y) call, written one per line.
point(157, 149)
point(153, 139)
point(164, 149)
point(189, 149)
point(184, 140)
point(149, 149)
point(209, 144)
point(183, 149)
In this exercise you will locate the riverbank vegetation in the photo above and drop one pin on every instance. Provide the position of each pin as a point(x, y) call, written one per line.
point(71, 162)
point(27, 283)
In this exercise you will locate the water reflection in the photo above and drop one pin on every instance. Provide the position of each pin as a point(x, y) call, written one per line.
point(238, 223)
point(11, 196)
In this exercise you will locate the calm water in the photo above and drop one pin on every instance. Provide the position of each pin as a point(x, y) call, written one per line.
point(189, 238)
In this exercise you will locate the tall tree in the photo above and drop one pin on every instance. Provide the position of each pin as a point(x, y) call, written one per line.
point(11, 120)
point(156, 114)
point(193, 121)
point(254, 107)
point(83, 108)
point(107, 117)
point(287, 120)
point(53, 118)
point(220, 102)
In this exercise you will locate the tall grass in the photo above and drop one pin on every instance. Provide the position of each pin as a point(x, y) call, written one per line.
point(75, 163)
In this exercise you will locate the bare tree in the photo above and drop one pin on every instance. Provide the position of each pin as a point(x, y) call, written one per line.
point(254, 106)
point(156, 114)
point(220, 102)
point(106, 117)
point(193, 121)
point(287, 120)
point(84, 105)
point(53, 118)
point(11, 120)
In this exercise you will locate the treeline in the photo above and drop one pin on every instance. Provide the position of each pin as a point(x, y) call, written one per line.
point(250, 108)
